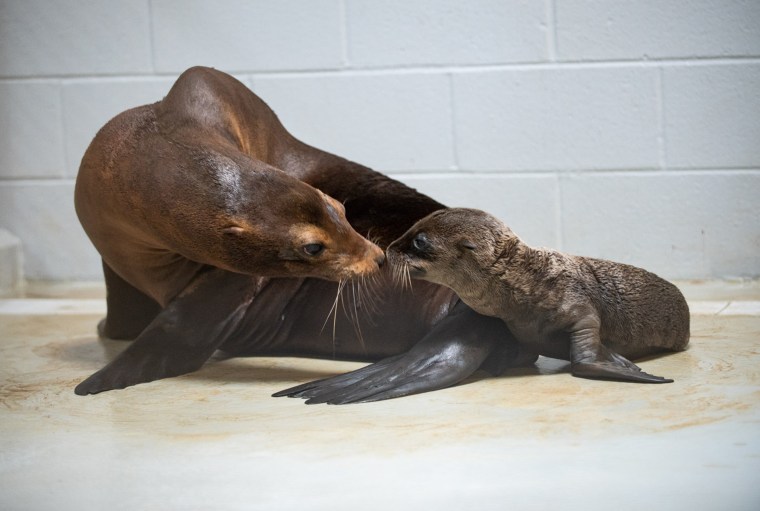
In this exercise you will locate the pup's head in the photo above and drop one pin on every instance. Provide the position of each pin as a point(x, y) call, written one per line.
point(453, 247)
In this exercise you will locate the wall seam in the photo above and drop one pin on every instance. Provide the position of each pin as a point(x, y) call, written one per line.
point(151, 37)
point(452, 117)
point(343, 18)
point(64, 137)
point(416, 68)
point(559, 213)
point(661, 134)
point(551, 30)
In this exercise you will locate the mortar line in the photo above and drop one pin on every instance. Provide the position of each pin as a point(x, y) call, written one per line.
point(660, 106)
point(343, 18)
point(401, 69)
point(151, 37)
point(452, 117)
point(559, 223)
point(62, 111)
point(551, 30)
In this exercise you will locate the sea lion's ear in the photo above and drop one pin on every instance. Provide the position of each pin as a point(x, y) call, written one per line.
point(233, 229)
point(469, 245)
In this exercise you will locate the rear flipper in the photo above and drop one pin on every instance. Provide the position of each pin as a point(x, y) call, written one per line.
point(182, 336)
point(129, 309)
point(453, 350)
point(591, 359)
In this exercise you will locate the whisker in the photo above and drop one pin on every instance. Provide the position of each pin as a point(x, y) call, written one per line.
point(334, 309)
point(355, 321)
point(335, 314)
point(367, 296)
point(408, 275)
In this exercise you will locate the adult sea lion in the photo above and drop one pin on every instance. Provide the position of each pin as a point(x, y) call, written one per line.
point(591, 312)
point(213, 236)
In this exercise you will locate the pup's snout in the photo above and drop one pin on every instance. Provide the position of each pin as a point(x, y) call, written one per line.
point(380, 260)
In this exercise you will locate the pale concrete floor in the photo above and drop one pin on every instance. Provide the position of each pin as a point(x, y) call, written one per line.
point(533, 439)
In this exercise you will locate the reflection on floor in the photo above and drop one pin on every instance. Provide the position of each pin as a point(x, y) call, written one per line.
point(534, 439)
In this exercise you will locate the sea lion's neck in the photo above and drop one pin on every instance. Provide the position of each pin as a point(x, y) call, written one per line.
point(365, 193)
point(507, 283)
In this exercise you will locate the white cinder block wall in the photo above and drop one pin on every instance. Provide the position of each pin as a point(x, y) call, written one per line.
point(622, 129)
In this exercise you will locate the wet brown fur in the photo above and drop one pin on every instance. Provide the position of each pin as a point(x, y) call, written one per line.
point(589, 311)
point(166, 190)
point(202, 202)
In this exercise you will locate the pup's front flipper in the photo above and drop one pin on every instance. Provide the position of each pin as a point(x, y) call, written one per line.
point(182, 336)
point(455, 348)
point(591, 359)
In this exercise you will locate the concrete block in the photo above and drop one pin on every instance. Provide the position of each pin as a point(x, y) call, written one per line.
point(555, 119)
point(67, 37)
point(528, 204)
point(681, 225)
point(88, 105)
point(653, 29)
point(389, 122)
point(712, 116)
point(431, 32)
point(42, 216)
point(247, 36)
point(11, 264)
point(31, 144)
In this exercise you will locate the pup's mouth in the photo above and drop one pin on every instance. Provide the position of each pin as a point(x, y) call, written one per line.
point(416, 271)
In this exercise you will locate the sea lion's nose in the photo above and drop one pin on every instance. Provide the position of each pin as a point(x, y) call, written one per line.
point(380, 260)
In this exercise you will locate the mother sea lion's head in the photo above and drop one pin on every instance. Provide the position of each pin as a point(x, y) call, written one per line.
point(292, 230)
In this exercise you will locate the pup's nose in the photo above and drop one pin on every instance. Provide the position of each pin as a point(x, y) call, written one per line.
point(380, 260)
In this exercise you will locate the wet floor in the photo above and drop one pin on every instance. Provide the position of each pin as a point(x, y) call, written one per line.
point(533, 439)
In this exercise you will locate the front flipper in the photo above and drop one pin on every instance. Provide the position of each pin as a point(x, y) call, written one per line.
point(591, 359)
point(182, 336)
point(454, 349)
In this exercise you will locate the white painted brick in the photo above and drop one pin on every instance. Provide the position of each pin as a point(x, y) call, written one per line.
point(31, 134)
point(555, 119)
point(677, 224)
point(655, 29)
point(712, 116)
point(248, 36)
point(88, 105)
point(388, 122)
point(433, 32)
point(65, 37)
point(528, 204)
point(42, 216)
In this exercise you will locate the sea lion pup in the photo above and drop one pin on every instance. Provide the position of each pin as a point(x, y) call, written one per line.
point(198, 201)
point(591, 312)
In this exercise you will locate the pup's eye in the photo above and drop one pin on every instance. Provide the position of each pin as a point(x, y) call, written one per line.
point(313, 249)
point(469, 245)
point(420, 242)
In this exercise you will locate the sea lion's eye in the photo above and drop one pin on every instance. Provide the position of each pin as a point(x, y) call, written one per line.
point(469, 245)
point(420, 242)
point(313, 249)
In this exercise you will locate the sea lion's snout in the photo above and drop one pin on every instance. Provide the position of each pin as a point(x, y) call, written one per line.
point(369, 262)
point(404, 257)
point(380, 259)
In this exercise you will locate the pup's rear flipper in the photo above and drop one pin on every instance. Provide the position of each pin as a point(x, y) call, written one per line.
point(612, 366)
point(592, 359)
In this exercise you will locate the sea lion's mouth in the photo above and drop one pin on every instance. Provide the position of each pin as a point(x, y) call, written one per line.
point(416, 271)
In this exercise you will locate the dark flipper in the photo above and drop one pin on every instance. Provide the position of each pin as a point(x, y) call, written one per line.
point(129, 310)
point(454, 349)
point(591, 359)
point(608, 371)
point(182, 336)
